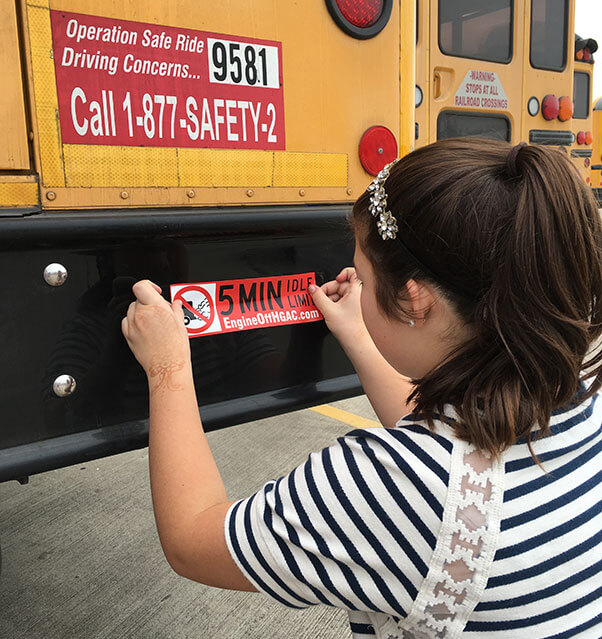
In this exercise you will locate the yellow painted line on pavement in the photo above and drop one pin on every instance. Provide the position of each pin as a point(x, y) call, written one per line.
point(345, 416)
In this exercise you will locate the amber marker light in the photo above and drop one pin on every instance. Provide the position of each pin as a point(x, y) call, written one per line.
point(378, 147)
point(565, 108)
point(589, 138)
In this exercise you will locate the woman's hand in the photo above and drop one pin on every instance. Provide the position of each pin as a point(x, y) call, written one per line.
point(339, 302)
point(155, 331)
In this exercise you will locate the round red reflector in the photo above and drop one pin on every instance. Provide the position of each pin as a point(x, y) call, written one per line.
point(589, 138)
point(361, 13)
point(550, 107)
point(378, 147)
point(565, 108)
point(581, 137)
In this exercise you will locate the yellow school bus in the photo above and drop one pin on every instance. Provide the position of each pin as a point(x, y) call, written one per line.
point(502, 69)
point(212, 147)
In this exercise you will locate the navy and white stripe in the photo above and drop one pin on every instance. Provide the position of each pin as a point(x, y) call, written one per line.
point(355, 527)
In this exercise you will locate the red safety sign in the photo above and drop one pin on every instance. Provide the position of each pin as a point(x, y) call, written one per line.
point(129, 83)
point(239, 305)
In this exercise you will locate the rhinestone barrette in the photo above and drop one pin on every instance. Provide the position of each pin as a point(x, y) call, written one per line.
point(386, 222)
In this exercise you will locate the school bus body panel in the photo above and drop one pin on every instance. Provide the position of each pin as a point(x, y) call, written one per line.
point(334, 88)
point(423, 72)
point(596, 175)
point(469, 86)
point(581, 154)
point(540, 82)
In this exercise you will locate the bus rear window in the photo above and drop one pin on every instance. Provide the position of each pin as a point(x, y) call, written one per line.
point(549, 34)
point(581, 95)
point(461, 124)
point(476, 29)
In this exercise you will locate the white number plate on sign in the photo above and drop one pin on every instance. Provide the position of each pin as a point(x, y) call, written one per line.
point(243, 63)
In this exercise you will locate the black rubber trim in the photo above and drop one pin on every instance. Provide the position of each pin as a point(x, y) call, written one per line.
point(554, 138)
point(58, 452)
point(581, 153)
point(74, 226)
point(358, 32)
point(596, 167)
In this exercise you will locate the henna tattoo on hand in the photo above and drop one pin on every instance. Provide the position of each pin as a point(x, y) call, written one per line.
point(165, 371)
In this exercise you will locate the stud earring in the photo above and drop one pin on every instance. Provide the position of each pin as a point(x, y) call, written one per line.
point(411, 323)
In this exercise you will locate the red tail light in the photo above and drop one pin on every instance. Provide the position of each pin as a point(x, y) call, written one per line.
point(378, 147)
point(363, 13)
point(550, 107)
point(587, 56)
point(581, 137)
point(589, 138)
point(360, 18)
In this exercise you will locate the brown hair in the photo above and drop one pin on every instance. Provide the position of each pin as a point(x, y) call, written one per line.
point(516, 237)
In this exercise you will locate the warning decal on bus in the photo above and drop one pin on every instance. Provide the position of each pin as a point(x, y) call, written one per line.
point(135, 84)
point(239, 305)
point(482, 90)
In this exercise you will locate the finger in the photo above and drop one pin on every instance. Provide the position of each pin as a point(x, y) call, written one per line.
point(345, 274)
point(157, 287)
point(125, 328)
point(130, 314)
point(146, 292)
point(330, 288)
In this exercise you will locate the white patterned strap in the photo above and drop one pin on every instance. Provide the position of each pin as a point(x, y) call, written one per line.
point(466, 545)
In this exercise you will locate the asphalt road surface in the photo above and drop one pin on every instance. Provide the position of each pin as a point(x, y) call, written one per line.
point(81, 555)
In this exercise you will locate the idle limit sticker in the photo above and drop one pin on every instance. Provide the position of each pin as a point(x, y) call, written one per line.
point(129, 83)
point(239, 305)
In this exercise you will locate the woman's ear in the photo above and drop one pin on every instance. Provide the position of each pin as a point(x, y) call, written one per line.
point(422, 298)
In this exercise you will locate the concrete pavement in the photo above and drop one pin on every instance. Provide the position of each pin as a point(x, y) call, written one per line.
point(81, 556)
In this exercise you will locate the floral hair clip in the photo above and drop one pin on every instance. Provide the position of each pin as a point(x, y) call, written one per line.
point(386, 222)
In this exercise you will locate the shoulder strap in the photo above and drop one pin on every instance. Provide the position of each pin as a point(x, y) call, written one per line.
point(466, 545)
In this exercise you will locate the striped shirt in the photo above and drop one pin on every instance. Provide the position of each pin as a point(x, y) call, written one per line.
point(358, 524)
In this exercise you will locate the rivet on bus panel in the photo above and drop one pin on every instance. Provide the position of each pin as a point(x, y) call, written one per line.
point(349, 191)
point(250, 192)
point(301, 192)
point(124, 195)
point(51, 195)
point(55, 274)
point(64, 385)
point(190, 193)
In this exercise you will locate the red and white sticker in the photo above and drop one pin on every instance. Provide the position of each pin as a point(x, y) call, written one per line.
point(240, 305)
point(129, 83)
point(481, 90)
